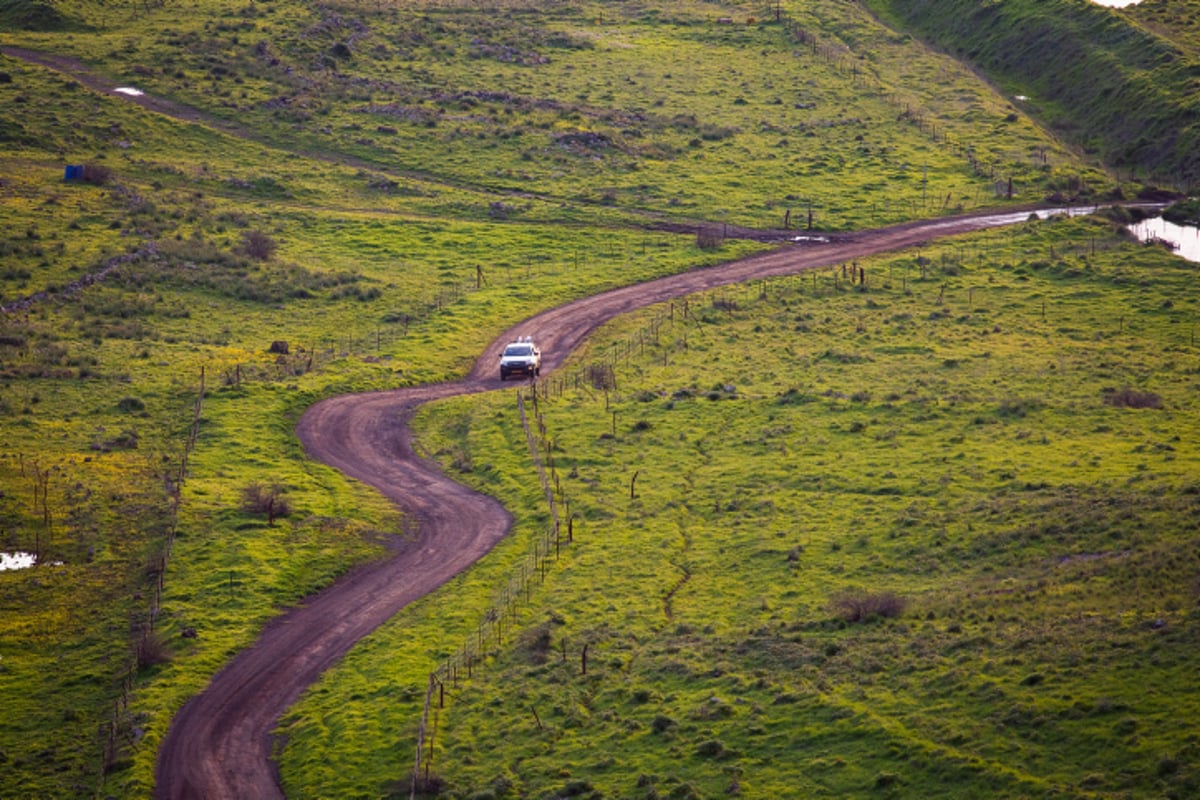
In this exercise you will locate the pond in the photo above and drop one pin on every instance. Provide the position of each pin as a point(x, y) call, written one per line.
point(1184, 238)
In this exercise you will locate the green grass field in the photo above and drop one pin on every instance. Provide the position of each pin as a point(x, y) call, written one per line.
point(387, 188)
point(943, 441)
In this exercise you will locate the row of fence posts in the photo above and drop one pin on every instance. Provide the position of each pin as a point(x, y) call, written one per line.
point(502, 615)
point(111, 731)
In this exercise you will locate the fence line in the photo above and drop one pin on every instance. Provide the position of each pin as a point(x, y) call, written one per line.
point(146, 646)
point(503, 612)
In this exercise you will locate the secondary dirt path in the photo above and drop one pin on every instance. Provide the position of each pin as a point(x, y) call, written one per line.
point(219, 744)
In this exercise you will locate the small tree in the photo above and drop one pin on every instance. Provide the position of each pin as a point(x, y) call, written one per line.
point(270, 500)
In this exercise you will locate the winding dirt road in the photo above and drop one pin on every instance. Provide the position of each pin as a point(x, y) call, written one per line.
point(219, 744)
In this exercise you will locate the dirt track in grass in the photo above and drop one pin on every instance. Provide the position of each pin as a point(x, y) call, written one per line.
point(219, 744)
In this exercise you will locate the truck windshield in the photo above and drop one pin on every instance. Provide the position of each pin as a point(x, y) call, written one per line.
point(518, 350)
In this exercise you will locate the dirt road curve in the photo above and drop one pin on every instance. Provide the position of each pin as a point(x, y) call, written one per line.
point(219, 743)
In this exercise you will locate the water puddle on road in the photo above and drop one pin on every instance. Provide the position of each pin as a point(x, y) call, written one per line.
point(1183, 240)
point(1010, 218)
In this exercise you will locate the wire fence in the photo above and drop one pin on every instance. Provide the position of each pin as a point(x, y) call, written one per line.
point(148, 649)
point(502, 615)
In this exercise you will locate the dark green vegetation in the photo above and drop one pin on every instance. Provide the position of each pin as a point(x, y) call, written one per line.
point(1184, 213)
point(1118, 83)
point(364, 195)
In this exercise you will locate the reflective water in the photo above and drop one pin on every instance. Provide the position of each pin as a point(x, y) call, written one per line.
point(17, 560)
point(1010, 218)
point(1185, 237)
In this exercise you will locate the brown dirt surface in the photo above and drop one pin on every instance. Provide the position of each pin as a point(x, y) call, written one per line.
point(219, 744)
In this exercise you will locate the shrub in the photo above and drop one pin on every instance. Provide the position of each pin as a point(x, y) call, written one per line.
point(131, 405)
point(662, 724)
point(859, 606)
point(1128, 397)
point(97, 174)
point(152, 650)
point(536, 642)
point(885, 780)
point(1017, 407)
point(269, 500)
point(258, 245)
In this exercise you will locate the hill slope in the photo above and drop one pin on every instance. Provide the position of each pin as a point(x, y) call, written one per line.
point(1112, 85)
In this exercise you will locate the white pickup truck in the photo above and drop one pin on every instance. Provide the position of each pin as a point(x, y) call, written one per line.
point(520, 358)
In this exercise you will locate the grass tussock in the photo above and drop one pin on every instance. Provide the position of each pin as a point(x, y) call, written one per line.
point(1128, 397)
point(863, 606)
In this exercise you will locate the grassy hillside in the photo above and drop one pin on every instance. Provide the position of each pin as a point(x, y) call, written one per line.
point(930, 538)
point(382, 189)
point(1177, 20)
point(1117, 83)
point(663, 110)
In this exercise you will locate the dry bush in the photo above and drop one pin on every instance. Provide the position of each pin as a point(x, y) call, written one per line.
point(859, 606)
point(152, 650)
point(258, 245)
point(96, 174)
point(1129, 397)
point(601, 376)
point(420, 784)
point(258, 498)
